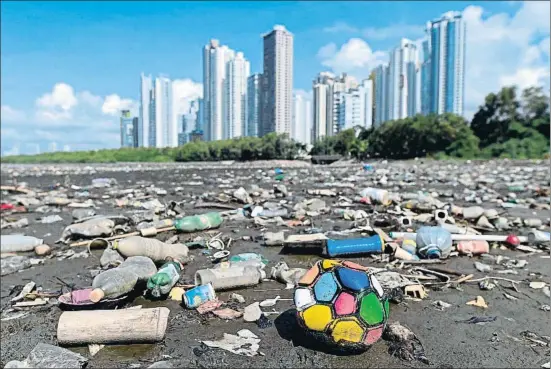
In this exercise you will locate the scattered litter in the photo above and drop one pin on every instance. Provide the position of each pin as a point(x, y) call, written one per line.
point(252, 312)
point(479, 319)
point(478, 302)
point(227, 313)
point(244, 343)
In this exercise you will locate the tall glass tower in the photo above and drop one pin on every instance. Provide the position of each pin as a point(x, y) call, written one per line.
point(446, 44)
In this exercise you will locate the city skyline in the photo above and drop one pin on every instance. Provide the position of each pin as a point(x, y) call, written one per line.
point(343, 43)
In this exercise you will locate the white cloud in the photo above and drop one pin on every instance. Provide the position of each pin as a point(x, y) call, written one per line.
point(354, 57)
point(62, 97)
point(183, 92)
point(526, 77)
point(113, 104)
point(501, 50)
point(9, 114)
point(305, 94)
point(80, 119)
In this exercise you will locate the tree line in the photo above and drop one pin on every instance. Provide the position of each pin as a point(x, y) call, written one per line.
point(506, 125)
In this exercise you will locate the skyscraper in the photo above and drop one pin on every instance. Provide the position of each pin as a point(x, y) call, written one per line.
point(381, 75)
point(322, 88)
point(426, 79)
point(402, 84)
point(446, 44)
point(144, 115)
point(302, 119)
point(52, 147)
point(254, 96)
point(330, 88)
point(127, 129)
point(277, 81)
point(135, 125)
point(354, 107)
point(238, 70)
point(163, 125)
point(215, 58)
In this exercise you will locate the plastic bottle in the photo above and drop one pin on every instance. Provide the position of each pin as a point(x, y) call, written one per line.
point(198, 222)
point(229, 278)
point(536, 236)
point(433, 242)
point(274, 213)
point(162, 282)
point(376, 195)
point(142, 266)
point(18, 243)
point(152, 248)
point(372, 245)
point(113, 283)
point(248, 256)
point(243, 260)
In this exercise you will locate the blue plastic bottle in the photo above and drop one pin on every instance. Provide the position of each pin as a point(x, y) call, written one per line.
point(433, 242)
point(352, 246)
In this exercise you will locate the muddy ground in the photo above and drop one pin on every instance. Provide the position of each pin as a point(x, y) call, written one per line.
point(447, 342)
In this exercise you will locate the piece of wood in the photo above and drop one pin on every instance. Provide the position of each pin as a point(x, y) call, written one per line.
point(112, 326)
point(463, 279)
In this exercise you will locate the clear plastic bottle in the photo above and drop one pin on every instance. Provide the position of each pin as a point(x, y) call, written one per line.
point(142, 266)
point(229, 278)
point(162, 282)
point(113, 283)
point(198, 222)
point(152, 248)
point(433, 242)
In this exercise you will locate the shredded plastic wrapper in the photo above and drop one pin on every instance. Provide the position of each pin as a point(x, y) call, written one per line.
point(13, 264)
point(49, 356)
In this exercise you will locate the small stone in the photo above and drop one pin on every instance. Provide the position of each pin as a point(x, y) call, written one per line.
point(42, 250)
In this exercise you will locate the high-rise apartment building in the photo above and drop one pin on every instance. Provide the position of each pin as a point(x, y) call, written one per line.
point(235, 99)
point(446, 44)
point(402, 84)
point(144, 116)
point(135, 125)
point(328, 92)
point(302, 119)
point(215, 59)
point(254, 98)
point(163, 125)
point(127, 129)
point(381, 78)
point(354, 108)
point(200, 115)
point(277, 85)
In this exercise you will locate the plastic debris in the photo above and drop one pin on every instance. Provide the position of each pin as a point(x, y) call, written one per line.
point(48, 356)
point(244, 343)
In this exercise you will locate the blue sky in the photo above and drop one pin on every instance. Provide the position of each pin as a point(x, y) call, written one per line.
point(97, 50)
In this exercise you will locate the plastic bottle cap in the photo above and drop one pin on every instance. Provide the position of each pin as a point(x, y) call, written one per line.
point(96, 295)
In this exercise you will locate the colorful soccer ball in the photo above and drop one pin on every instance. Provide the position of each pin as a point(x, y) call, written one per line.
point(343, 302)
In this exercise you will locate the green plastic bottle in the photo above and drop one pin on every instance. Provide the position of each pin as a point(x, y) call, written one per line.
point(198, 222)
point(162, 282)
